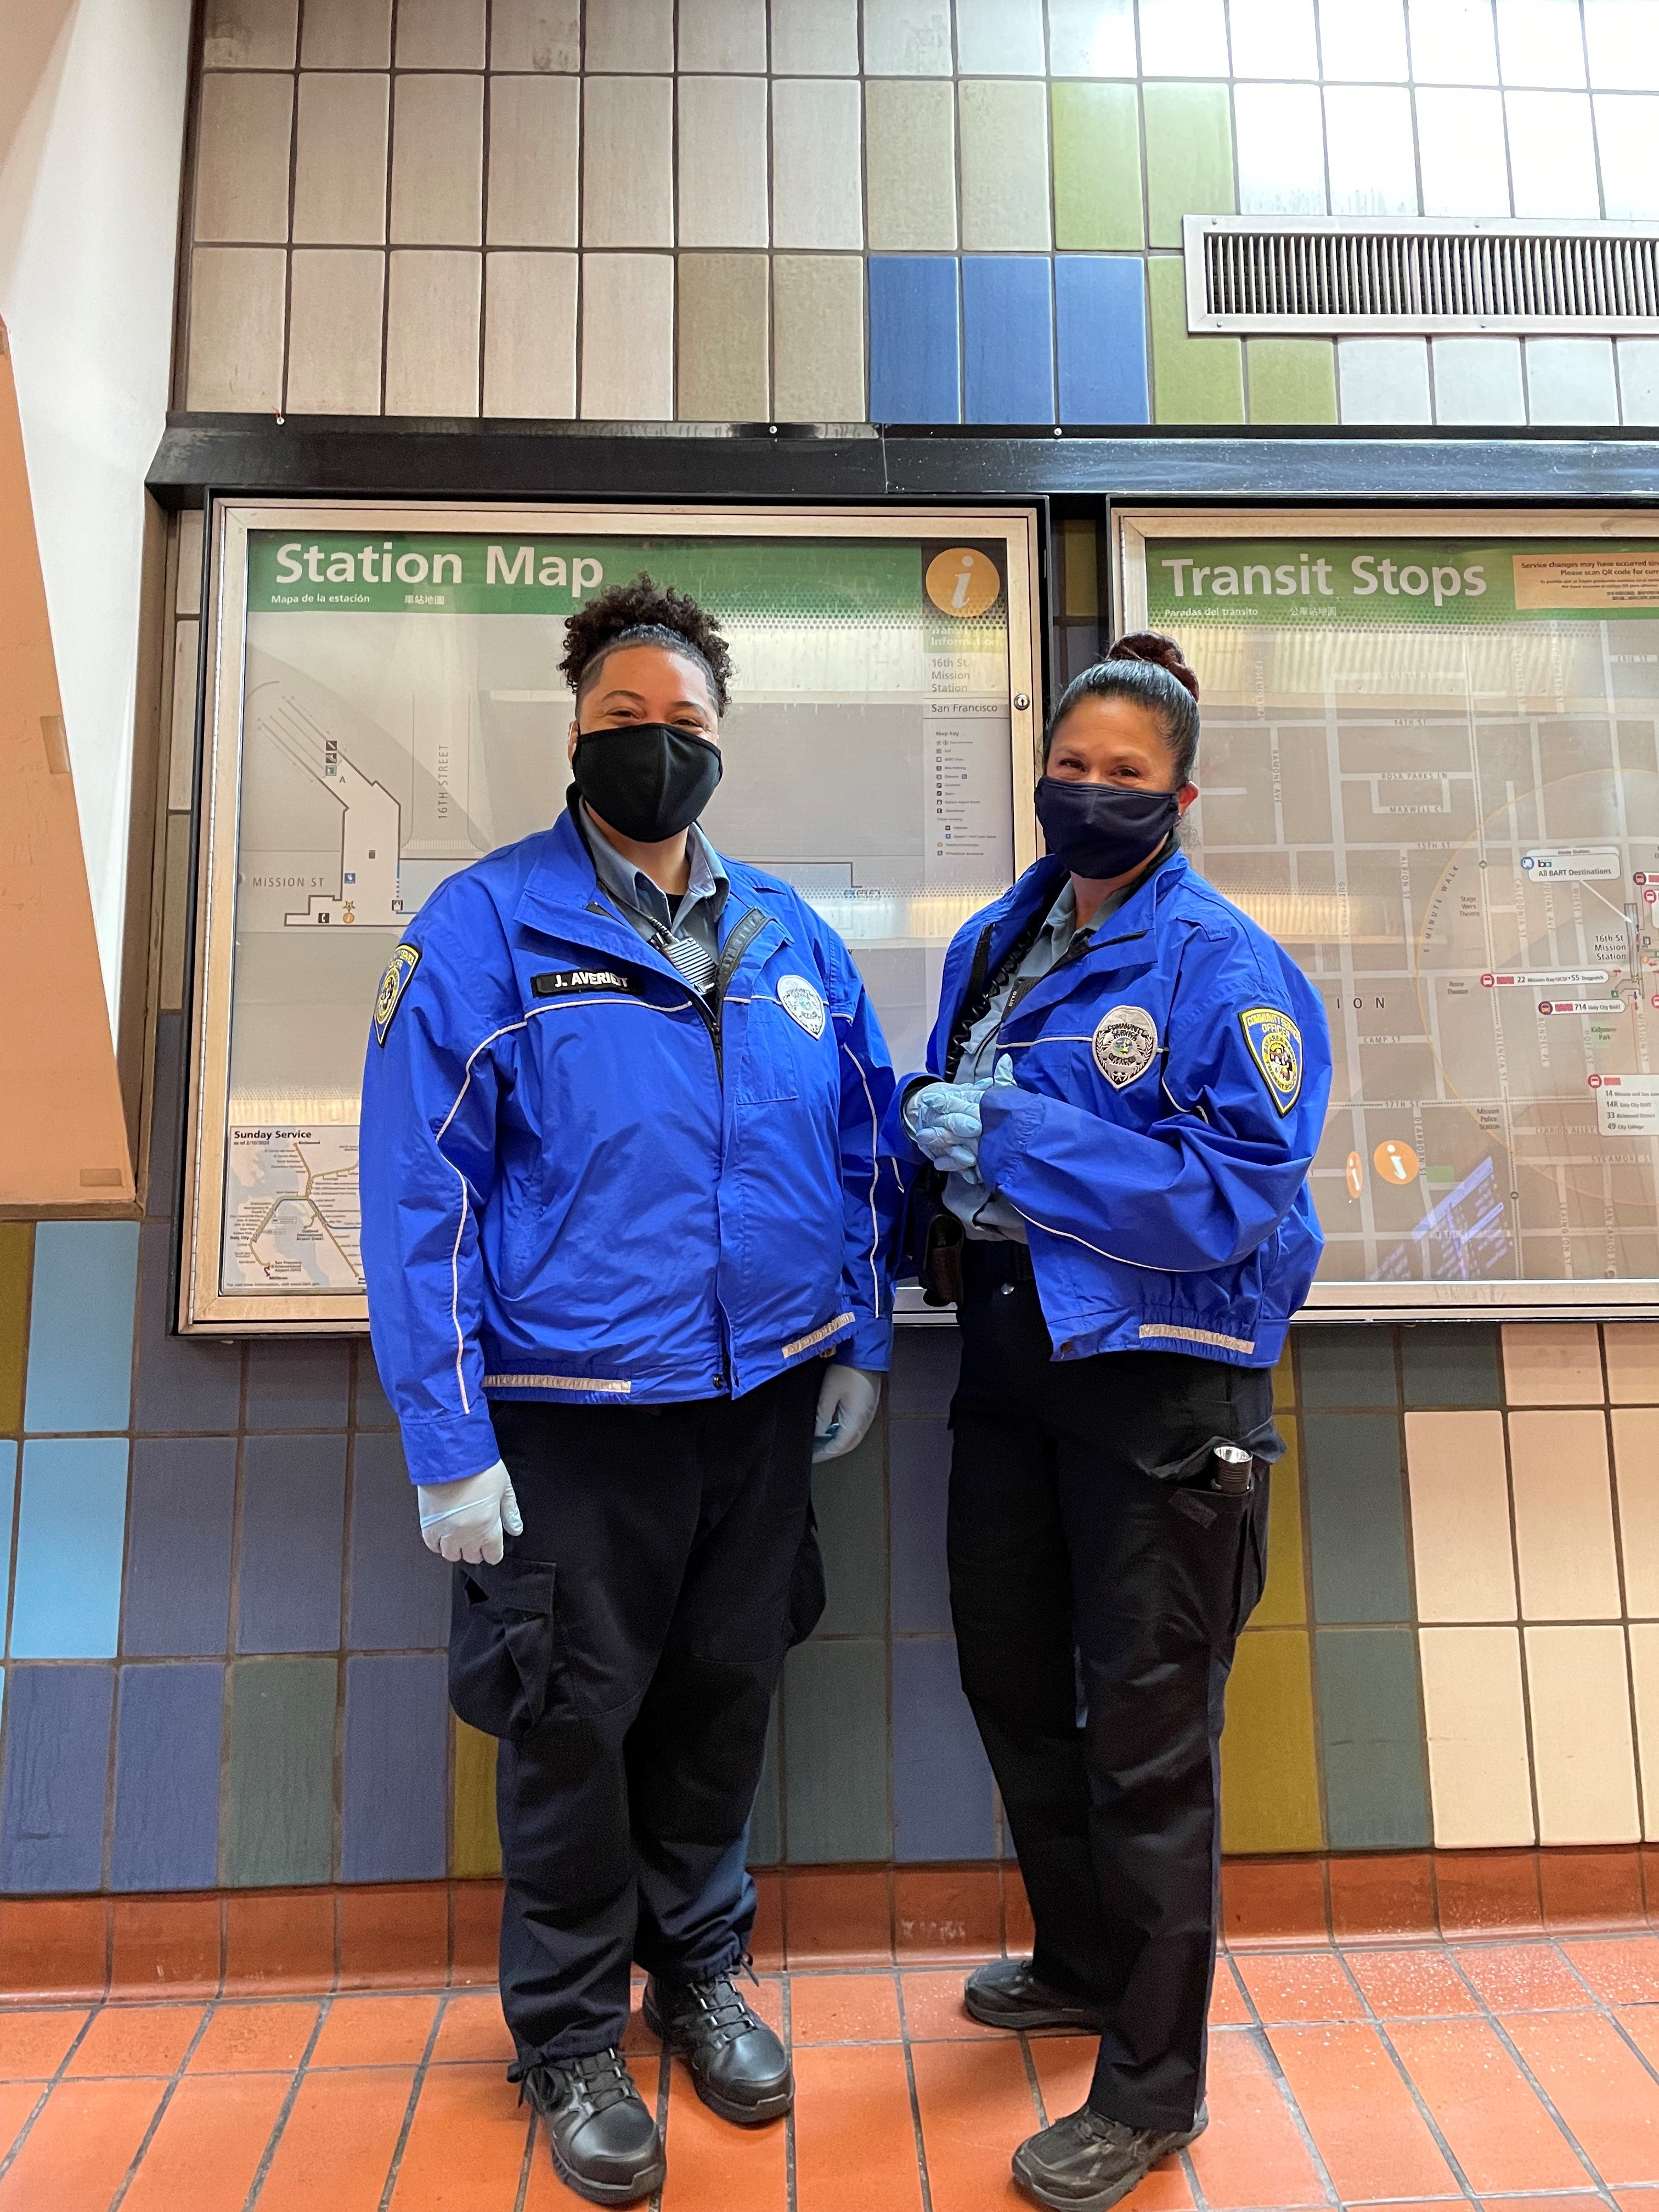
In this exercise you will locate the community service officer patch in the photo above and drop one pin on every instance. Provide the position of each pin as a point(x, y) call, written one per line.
point(1125, 1043)
point(398, 969)
point(802, 1004)
point(1275, 1044)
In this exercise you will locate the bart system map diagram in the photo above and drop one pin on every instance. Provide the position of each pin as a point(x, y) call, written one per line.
point(1429, 768)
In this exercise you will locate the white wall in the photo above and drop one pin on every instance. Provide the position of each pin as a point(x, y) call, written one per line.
point(92, 117)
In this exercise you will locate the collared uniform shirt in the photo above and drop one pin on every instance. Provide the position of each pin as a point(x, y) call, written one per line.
point(685, 929)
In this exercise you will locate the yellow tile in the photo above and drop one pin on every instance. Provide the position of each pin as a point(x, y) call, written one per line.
point(440, 34)
point(540, 35)
point(1081, 563)
point(432, 334)
point(530, 335)
point(1285, 1379)
point(535, 130)
point(242, 159)
point(1632, 1355)
point(1548, 1363)
point(335, 314)
point(1459, 1494)
point(340, 158)
point(1583, 1761)
point(437, 160)
point(476, 1845)
point(16, 1263)
point(817, 337)
point(249, 34)
point(627, 338)
point(234, 355)
point(910, 166)
point(348, 34)
point(1269, 1767)
point(1636, 1462)
point(1479, 1777)
point(1564, 1540)
point(723, 343)
point(1284, 1599)
point(1645, 1673)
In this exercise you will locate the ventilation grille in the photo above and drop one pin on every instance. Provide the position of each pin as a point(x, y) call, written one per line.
point(1285, 274)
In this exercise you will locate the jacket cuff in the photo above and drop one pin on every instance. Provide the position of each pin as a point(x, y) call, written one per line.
point(1008, 1120)
point(437, 1448)
point(896, 1142)
point(871, 1345)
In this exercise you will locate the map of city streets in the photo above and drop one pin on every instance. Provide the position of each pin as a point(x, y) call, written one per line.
point(1429, 768)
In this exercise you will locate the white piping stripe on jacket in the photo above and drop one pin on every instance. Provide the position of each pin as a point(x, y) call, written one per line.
point(875, 1167)
point(817, 1336)
point(1145, 1265)
point(1200, 1336)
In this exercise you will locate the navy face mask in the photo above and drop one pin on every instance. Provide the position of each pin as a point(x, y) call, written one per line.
point(1100, 831)
point(646, 780)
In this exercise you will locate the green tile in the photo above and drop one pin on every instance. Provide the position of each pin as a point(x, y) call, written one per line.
point(766, 1818)
point(279, 1824)
point(1371, 1728)
point(475, 1842)
point(1194, 380)
point(1347, 1367)
point(850, 1498)
point(16, 1266)
point(1189, 156)
point(1269, 1765)
point(835, 1752)
point(1356, 1516)
point(1284, 1603)
point(1098, 205)
point(1451, 1363)
point(724, 342)
point(1291, 380)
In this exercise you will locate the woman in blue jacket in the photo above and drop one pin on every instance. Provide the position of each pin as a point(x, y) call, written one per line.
point(621, 1201)
point(1126, 1085)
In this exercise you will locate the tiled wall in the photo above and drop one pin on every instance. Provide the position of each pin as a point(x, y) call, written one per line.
point(825, 210)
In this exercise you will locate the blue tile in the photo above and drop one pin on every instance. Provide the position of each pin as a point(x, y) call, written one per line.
point(80, 1325)
point(186, 1385)
point(70, 1525)
point(942, 1787)
point(915, 343)
point(919, 1477)
point(51, 1801)
point(849, 1497)
point(399, 1591)
point(1007, 338)
point(1345, 1366)
point(926, 1361)
point(1371, 1729)
point(166, 1118)
point(166, 1830)
point(288, 1584)
point(180, 1522)
point(1352, 1468)
point(371, 1408)
point(394, 1795)
point(298, 1386)
point(835, 1764)
point(1451, 1363)
point(1100, 319)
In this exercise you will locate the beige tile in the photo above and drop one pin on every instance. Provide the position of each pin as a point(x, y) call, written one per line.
point(818, 338)
point(340, 158)
point(908, 38)
point(249, 34)
point(630, 35)
point(627, 177)
point(347, 34)
point(722, 161)
point(235, 351)
point(1645, 1675)
point(1583, 1757)
point(1552, 1363)
point(723, 343)
point(910, 166)
point(723, 35)
point(440, 34)
point(335, 314)
point(1636, 1463)
point(815, 38)
point(1004, 166)
point(817, 168)
point(437, 160)
point(1479, 1776)
point(535, 132)
point(1631, 1351)
point(242, 159)
point(181, 739)
point(432, 334)
point(1564, 1517)
point(541, 36)
point(627, 338)
point(530, 335)
point(1459, 1494)
point(188, 596)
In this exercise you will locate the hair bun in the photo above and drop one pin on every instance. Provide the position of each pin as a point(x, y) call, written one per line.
point(1162, 652)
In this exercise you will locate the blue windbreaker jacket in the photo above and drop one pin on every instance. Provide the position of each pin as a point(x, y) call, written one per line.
point(1171, 1080)
point(580, 1187)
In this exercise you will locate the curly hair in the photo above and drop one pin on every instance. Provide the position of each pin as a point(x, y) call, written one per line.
point(1152, 671)
point(645, 613)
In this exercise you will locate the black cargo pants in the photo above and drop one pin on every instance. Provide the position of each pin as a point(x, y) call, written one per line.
point(1095, 1608)
point(626, 1651)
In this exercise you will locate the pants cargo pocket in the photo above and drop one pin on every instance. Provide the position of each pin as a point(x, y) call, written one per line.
point(503, 1646)
point(808, 1592)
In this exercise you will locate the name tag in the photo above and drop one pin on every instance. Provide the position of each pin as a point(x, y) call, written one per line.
point(563, 982)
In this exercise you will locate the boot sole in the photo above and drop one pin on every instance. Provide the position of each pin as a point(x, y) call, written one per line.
point(991, 2015)
point(1102, 2199)
point(759, 2114)
point(609, 2192)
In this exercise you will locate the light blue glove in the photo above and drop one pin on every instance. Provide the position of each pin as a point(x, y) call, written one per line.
point(847, 1400)
point(943, 1118)
point(466, 1520)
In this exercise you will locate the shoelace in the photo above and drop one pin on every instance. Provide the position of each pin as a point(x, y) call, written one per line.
point(603, 2077)
point(726, 2010)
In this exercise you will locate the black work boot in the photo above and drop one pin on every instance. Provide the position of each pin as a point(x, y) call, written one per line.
point(603, 2141)
point(1086, 2162)
point(739, 2066)
point(1007, 1994)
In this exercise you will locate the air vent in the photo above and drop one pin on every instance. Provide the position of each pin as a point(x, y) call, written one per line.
point(1287, 275)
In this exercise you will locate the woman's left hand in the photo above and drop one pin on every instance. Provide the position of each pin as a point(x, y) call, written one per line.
point(846, 1404)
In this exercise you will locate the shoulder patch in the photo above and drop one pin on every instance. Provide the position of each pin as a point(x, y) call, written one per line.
point(561, 982)
point(803, 1003)
point(1124, 1044)
point(398, 969)
point(1275, 1046)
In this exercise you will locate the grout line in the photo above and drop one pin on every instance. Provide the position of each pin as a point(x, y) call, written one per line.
point(415, 2088)
point(167, 2094)
point(262, 2171)
point(48, 2085)
point(789, 2184)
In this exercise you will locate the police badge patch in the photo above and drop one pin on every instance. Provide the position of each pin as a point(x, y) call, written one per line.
point(398, 969)
point(802, 1004)
point(1125, 1044)
point(1275, 1044)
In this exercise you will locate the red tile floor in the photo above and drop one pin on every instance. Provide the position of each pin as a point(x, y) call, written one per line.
point(1482, 2073)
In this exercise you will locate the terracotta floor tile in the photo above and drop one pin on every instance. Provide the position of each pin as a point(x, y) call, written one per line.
point(637, 2038)
point(932, 2008)
point(1641, 2024)
point(17, 2100)
point(76, 2154)
point(134, 2039)
point(1227, 2005)
point(766, 1999)
point(1402, 1984)
point(207, 2149)
point(843, 2009)
point(336, 2149)
point(1538, 2204)
point(375, 2032)
point(1523, 1978)
point(472, 2028)
point(976, 2109)
point(1299, 1985)
point(1498, 2132)
point(855, 2142)
point(1251, 2154)
point(466, 2144)
point(253, 2039)
point(1601, 2090)
point(1634, 2200)
point(32, 2044)
point(1621, 1970)
point(1365, 2120)
point(712, 2163)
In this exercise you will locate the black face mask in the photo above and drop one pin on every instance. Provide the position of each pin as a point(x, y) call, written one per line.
point(646, 781)
point(1103, 830)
